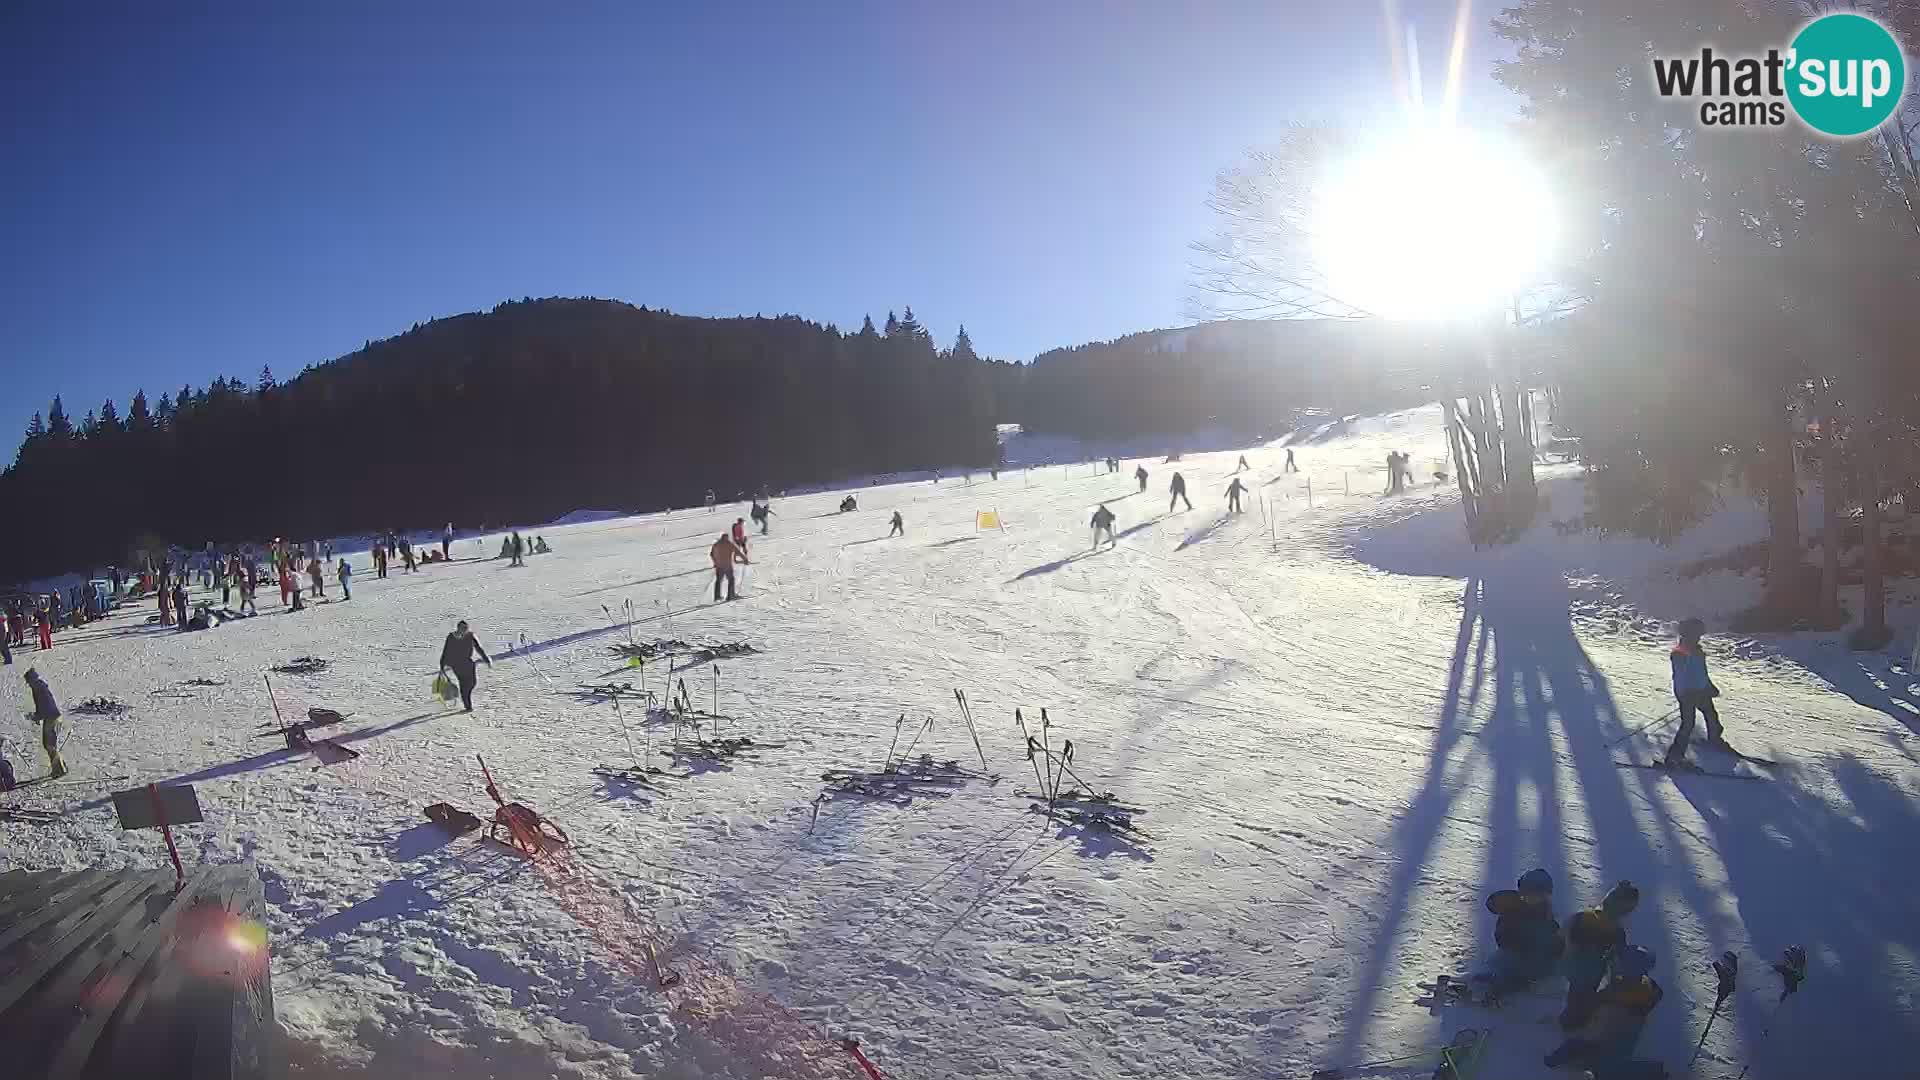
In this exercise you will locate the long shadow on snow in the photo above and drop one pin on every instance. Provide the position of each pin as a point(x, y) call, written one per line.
point(1204, 532)
point(276, 757)
point(641, 581)
point(1770, 837)
point(1050, 567)
point(583, 635)
point(1516, 647)
point(1894, 694)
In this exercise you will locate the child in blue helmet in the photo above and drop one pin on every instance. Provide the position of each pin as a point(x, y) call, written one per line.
point(1604, 1045)
point(1526, 934)
point(1593, 937)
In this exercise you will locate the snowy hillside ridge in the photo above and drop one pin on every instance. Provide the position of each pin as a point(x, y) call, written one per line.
point(1343, 725)
point(585, 517)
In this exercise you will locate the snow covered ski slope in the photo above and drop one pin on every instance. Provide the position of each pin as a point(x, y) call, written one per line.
point(1345, 727)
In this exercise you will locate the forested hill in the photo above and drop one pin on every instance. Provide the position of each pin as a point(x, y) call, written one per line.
point(516, 414)
point(1241, 376)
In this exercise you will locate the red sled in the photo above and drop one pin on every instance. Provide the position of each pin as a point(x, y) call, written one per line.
point(527, 832)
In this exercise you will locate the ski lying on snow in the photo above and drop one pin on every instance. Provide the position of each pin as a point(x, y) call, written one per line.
point(1476, 991)
point(1466, 1049)
point(27, 816)
point(1081, 801)
point(648, 775)
point(1112, 820)
point(1686, 770)
point(872, 791)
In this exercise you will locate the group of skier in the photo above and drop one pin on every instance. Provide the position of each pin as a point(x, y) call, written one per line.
point(1610, 986)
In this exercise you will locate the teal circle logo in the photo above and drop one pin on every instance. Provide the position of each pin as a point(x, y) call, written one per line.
point(1846, 74)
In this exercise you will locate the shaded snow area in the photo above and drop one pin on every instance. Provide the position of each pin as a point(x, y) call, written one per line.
point(1346, 727)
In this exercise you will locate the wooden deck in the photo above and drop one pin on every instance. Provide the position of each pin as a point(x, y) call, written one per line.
point(108, 973)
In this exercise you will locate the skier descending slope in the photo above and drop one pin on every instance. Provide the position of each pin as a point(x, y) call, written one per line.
point(724, 555)
point(1179, 489)
point(899, 525)
point(1234, 491)
point(1140, 474)
point(1103, 522)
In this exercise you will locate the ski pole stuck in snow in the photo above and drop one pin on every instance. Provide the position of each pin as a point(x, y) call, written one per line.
point(1725, 970)
point(1792, 969)
point(966, 715)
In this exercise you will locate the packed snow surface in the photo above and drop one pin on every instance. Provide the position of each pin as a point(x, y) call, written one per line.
point(1345, 724)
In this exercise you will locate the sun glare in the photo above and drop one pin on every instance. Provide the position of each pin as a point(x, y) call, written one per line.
point(1439, 223)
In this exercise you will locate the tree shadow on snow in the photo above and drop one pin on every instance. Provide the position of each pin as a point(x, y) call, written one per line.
point(1889, 691)
point(1769, 838)
point(1522, 697)
point(1529, 723)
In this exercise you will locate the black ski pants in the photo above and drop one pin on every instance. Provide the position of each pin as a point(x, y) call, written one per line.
point(467, 676)
point(719, 576)
point(1688, 705)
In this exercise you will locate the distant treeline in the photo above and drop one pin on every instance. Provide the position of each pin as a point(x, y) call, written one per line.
point(540, 407)
point(518, 414)
point(1244, 377)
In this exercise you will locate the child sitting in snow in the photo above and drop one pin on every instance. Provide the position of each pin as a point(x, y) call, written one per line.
point(1605, 1045)
point(1526, 933)
point(1594, 936)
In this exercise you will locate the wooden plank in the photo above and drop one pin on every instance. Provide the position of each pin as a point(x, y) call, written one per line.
point(103, 948)
point(32, 892)
point(49, 907)
point(213, 1016)
point(197, 1013)
point(120, 976)
point(84, 924)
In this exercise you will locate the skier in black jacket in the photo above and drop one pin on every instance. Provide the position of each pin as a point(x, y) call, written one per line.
point(1103, 522)
point(1179, 489)
point(457, 656)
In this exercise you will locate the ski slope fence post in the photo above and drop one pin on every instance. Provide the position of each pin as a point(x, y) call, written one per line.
point(1345, 487)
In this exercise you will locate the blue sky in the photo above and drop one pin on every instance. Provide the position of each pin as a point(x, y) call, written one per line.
point(188, 196)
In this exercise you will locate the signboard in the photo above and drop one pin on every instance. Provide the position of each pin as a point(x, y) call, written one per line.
point(154, 807)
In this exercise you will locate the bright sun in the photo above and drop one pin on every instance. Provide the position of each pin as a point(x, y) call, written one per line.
point(1440, 223)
